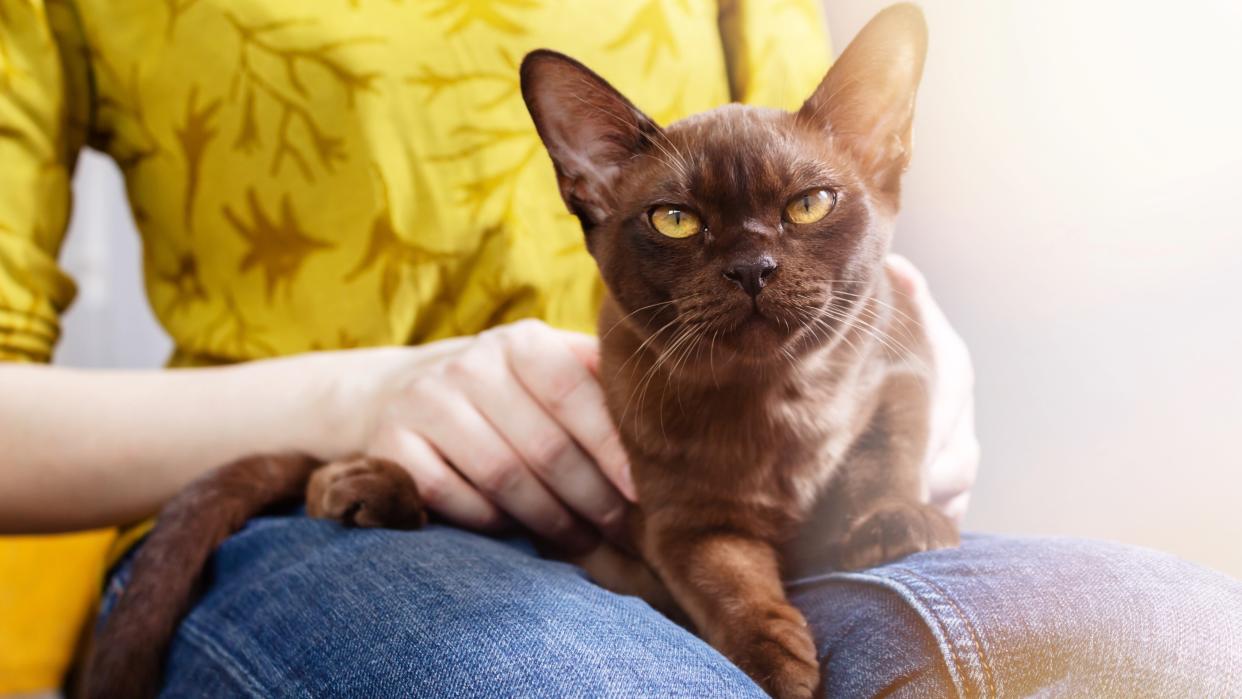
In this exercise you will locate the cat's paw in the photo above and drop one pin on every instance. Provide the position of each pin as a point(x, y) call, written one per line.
point(894, 530)
point(778, 652)
point(365, 492)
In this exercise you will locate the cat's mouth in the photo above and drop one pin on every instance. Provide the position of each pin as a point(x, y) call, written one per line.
point(759, 329)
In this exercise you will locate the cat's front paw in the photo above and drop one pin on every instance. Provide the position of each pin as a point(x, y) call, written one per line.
point(365, 492)
point(778, 652)
point(894, 530)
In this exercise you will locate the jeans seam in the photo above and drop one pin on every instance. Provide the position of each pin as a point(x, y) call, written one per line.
point(228, 663)
point(984, 662)
point(935, 625)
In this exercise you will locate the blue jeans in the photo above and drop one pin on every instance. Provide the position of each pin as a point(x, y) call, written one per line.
point(304, 608)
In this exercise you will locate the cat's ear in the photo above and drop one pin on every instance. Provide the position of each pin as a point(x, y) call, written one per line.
point(591, 130)
point(866, 101)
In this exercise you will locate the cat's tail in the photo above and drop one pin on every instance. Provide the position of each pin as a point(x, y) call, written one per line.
point(125, 659)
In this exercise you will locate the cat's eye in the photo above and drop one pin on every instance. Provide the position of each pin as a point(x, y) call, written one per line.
point(674, 221)
point(810, 206)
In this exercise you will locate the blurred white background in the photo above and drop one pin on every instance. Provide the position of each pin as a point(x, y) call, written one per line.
point(1074, 201)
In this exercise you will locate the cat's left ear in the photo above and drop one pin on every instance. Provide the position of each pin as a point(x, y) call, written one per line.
point(866, 101)
point(591, 130)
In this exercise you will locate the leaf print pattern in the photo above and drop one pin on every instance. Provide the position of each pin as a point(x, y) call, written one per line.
point(500, 185)
point(392, 254)
point(259, 39)
point(489, 12)
point(194, 136)
point(279, 248)
point(176, 8)
point(231, 334)
point(653, 23)
point(187, 287)
point(507, 80)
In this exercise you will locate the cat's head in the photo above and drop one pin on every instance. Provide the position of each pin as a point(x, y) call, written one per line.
point(756, 226)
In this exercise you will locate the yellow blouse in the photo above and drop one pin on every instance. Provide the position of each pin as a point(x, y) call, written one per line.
point(321, 175)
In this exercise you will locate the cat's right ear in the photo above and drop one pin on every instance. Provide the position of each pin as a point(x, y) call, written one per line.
point(866, 102)
point(590, 130)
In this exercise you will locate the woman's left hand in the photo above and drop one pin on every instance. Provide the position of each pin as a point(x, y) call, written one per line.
point(952, 460)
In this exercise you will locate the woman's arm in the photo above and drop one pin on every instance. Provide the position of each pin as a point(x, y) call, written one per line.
point(85, 449)
point(506, 425)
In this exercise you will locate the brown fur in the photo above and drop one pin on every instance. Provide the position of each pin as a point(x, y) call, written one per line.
point(773, 431)
point(126, 656)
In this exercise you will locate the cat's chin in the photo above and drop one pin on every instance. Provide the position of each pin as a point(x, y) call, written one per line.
point(758, 338)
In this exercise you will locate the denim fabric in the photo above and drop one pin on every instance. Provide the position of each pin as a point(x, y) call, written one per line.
point(304, 608)
point(1014, 617)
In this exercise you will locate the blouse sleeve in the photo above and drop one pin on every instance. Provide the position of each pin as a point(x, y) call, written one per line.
point(43, 120)
point(777, 52)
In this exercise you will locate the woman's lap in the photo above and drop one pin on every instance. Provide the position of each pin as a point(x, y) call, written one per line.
point(302, 607)
point(299, 607)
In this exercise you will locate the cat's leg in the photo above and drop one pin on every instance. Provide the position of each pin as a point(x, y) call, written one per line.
point(365, 492)
point(728, 582)
point(877, 495)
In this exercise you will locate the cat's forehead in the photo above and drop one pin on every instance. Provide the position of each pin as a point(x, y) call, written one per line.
point(741, 153)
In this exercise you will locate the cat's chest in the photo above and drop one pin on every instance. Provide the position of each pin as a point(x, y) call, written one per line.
point(779, 442)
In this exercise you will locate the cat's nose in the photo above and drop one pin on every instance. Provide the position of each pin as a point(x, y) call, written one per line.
point(751, 275)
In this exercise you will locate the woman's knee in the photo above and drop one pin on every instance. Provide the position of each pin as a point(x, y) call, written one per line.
point(1003, 616)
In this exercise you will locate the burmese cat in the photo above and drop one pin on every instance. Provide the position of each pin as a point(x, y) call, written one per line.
point(768, 385)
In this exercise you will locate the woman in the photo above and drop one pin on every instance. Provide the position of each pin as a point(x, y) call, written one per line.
point(309, 180)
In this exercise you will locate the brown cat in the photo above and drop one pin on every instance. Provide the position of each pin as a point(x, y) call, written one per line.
point(769, 387)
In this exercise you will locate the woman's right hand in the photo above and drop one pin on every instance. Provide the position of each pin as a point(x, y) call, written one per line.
point(507, 424)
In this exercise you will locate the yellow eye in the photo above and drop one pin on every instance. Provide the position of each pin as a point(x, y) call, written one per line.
point(675, 222)
point(811, 206)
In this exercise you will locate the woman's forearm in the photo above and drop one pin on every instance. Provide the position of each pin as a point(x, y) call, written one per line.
point(84, 449)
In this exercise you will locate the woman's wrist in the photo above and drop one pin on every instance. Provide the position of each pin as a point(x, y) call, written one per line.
point(350, 389)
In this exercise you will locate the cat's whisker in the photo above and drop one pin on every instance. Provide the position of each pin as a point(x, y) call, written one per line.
point(650, 339)
point(629, 315)
point(668, 377)
point(654, 371)
point(711, 358)
point(881, 302)
point(890, 343)
point(861, 306)
point(640, 388)
point(695, 346)
point(830, 334)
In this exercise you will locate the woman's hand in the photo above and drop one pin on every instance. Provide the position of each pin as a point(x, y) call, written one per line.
point(510, 423)
point(952, 459)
